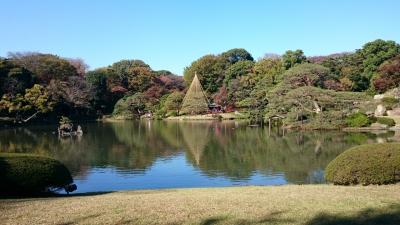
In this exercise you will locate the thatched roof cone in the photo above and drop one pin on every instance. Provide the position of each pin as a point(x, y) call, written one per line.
point(195, 101)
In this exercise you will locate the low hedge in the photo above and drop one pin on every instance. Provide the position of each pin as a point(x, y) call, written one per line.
point(28, 174)
point(387, 121)
point(366, 164)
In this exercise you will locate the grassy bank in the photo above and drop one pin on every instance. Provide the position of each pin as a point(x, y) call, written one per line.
point(222, 116)
point(307, 204)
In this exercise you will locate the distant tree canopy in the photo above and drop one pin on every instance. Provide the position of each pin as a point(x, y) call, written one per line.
point(75, 92)
point(306, 75)
point(375, 53)
point(292, 58)
point(14, 79)
point(210, 69)
point(131, 74)
point(130, 77)
point(271, 69)
point(80, 66)
point(241, 68)
point(45, 67)
point(237, 54)
point(71, 90)
point(232, 79)
point(103, 98)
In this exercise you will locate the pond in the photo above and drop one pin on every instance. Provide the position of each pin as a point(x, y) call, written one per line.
point(171, 154)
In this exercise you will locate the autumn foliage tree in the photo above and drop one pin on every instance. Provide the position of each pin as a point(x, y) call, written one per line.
point(75, 92)
point(45, 67)
point(388, 75)
point(36, 100)
point(232, 79)
point(80, 66)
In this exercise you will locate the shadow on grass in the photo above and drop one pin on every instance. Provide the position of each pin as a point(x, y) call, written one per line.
point(274, 217)
point(80, 219)
point(213, 220)
point(389, 215)
point(84, 194)
point(49, 195)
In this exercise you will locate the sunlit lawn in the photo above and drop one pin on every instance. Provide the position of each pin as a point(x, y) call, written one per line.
point(291, 204)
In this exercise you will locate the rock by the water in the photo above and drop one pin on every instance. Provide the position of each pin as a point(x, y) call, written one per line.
point(378, 126)
point(395, 93)
point(396, 128)
point(394, 112)
point(380, 110)
point(379, 97)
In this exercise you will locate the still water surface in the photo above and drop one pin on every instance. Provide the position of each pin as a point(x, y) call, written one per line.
point(168, 154)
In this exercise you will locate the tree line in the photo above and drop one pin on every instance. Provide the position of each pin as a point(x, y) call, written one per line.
point(46, 86)
point(295, 85)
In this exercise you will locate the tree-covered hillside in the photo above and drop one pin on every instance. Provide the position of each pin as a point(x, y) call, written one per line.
point(36, 86)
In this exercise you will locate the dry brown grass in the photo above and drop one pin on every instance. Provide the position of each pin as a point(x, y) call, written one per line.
point(291, 204)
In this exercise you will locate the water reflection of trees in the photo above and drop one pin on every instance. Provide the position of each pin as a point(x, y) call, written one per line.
point(127, 146)
point(226, 148)
point(238, 153)
point(146, 141)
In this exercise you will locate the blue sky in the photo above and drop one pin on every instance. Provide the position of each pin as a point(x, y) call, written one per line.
point(171, 34)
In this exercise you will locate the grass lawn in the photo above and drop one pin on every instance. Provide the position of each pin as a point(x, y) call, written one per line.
point(290, 204)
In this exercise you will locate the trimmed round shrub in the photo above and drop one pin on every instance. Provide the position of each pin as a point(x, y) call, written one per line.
point(28, 174)
point(387, 121)
point(366, 164)
point(358, 120)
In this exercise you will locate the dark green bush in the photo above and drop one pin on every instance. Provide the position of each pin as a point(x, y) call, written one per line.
point(358, 120)
point(366, 164)
point(28, 174)
point(387, 121)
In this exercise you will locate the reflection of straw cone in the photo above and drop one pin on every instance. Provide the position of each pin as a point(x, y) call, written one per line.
point(317, 148)
point(195, 135)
